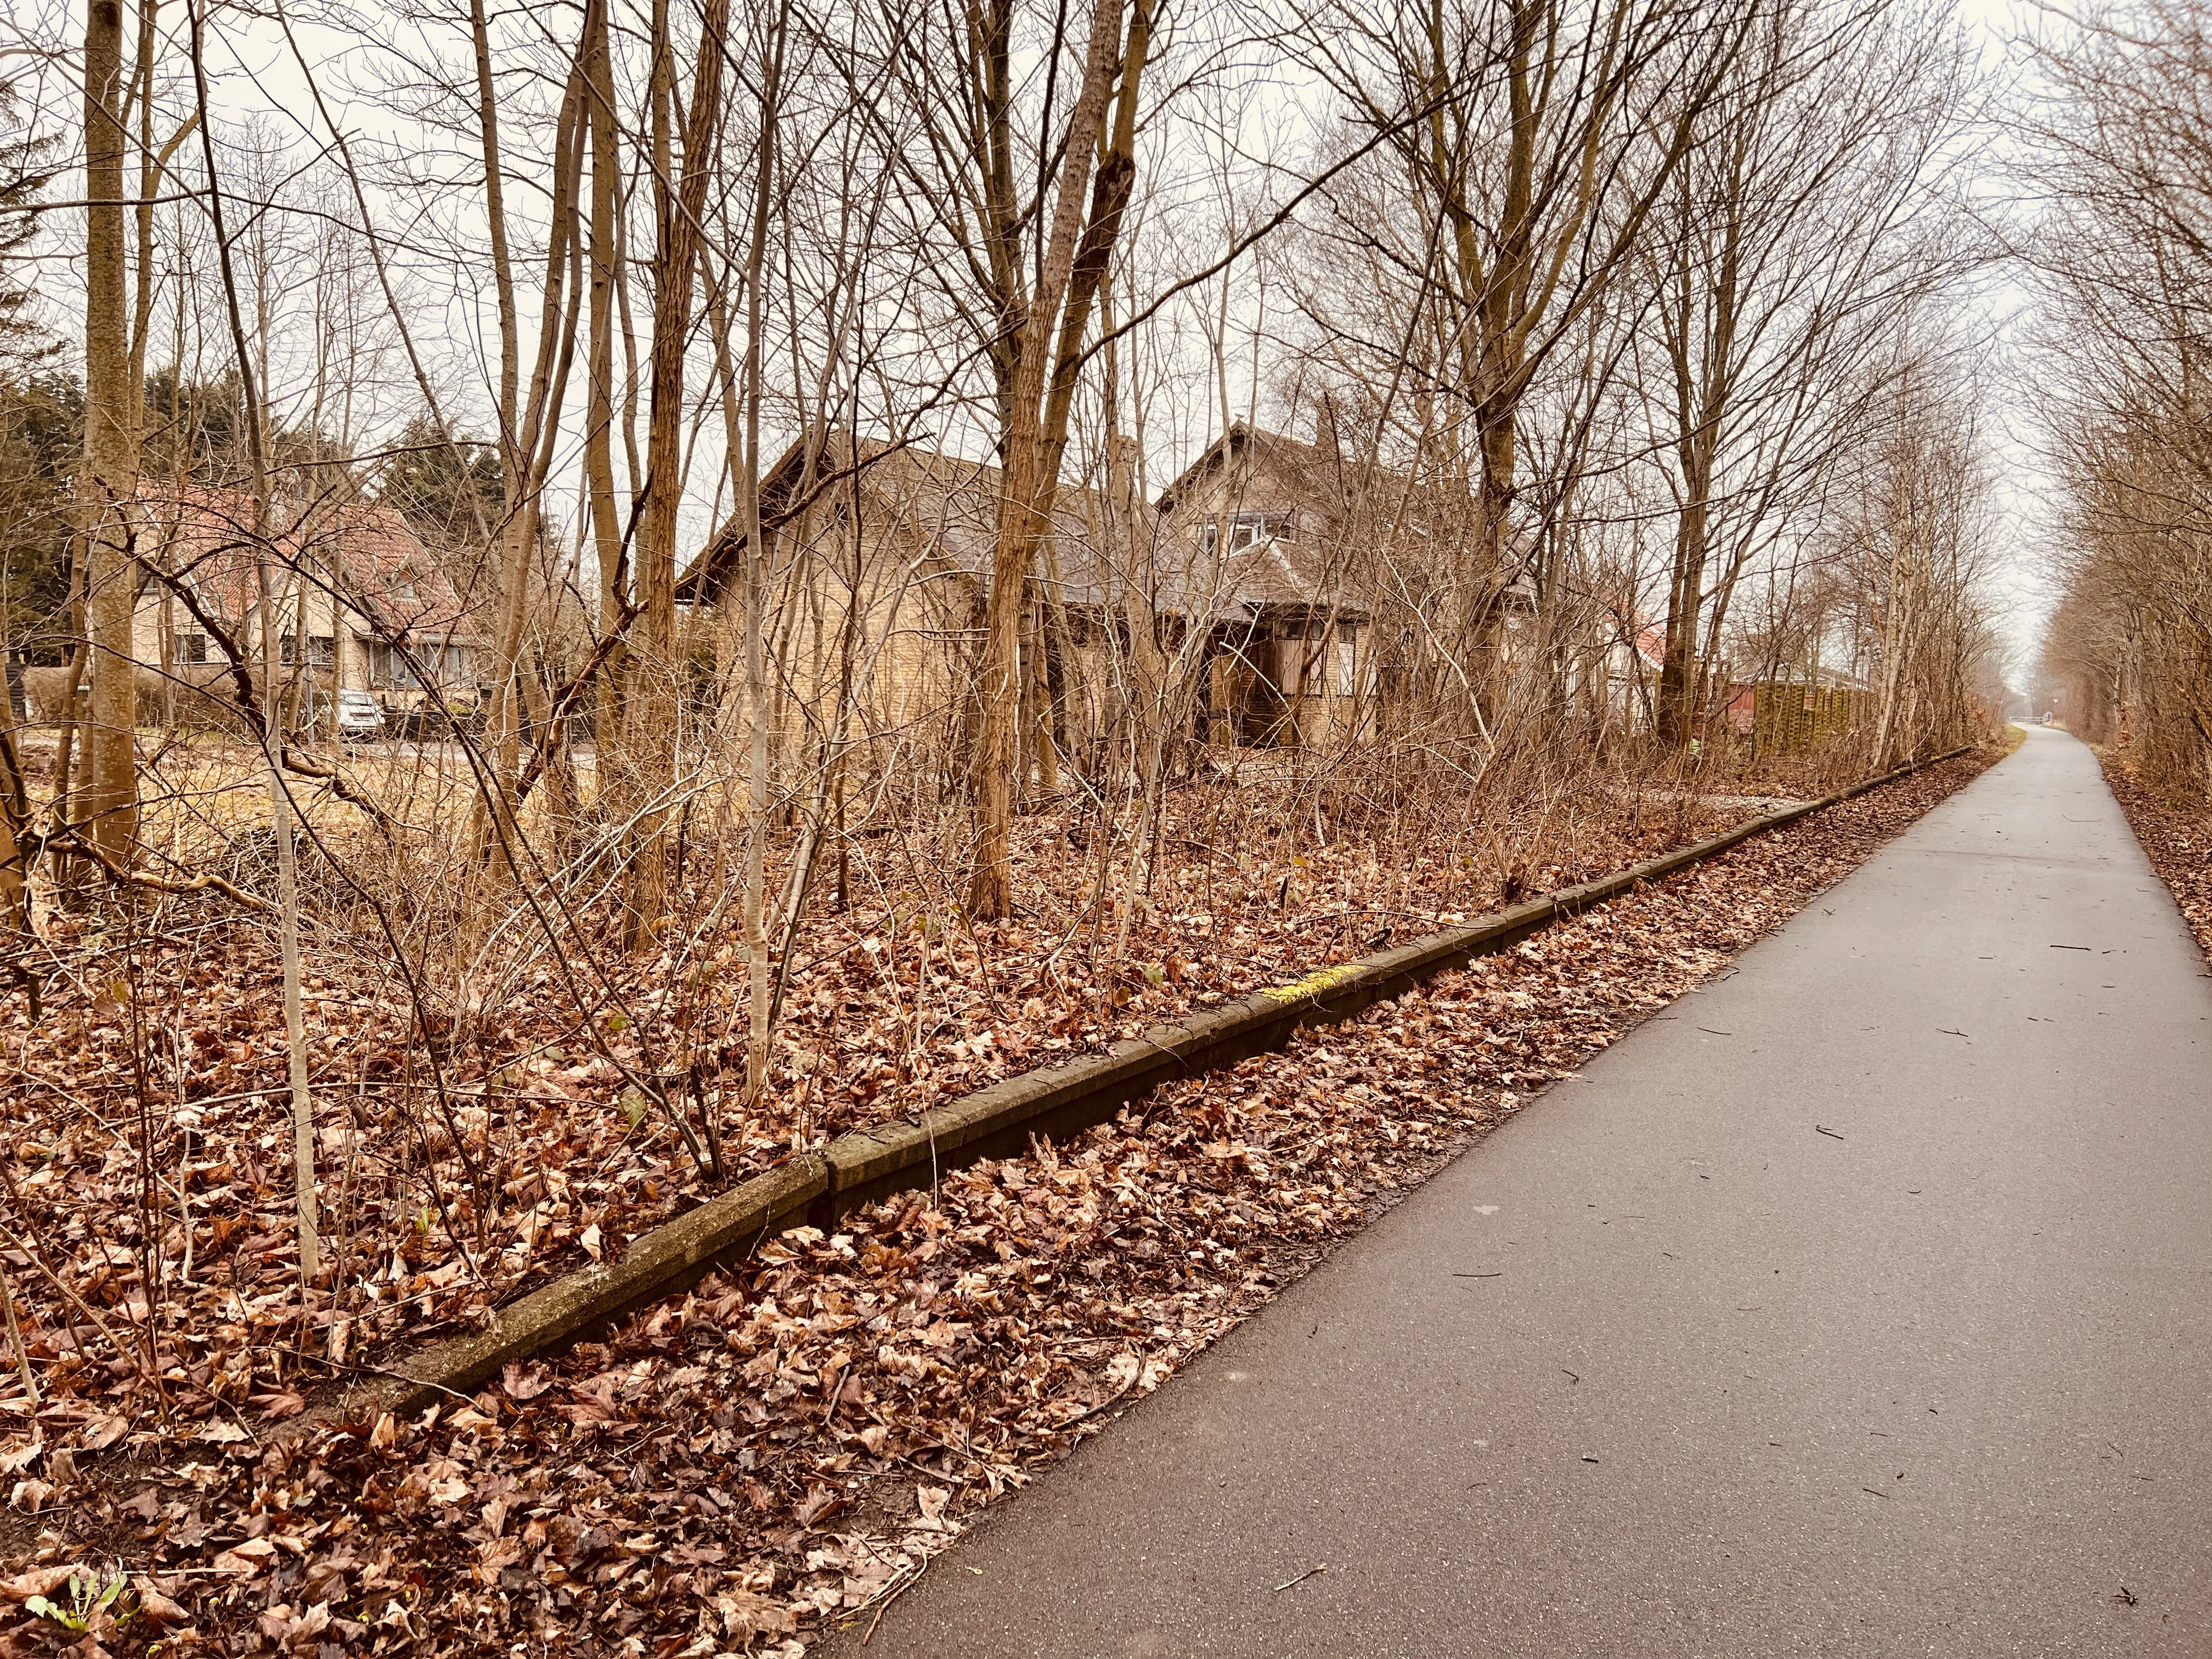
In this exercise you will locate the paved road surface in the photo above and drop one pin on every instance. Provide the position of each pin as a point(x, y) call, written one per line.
point(1739, 1388)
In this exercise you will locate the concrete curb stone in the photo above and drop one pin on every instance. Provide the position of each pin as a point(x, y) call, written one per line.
point(1000, 1120)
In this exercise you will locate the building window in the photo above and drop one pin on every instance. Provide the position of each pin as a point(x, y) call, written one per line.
point(442, 664)
point(1248, 530)
point(1348, 659)
point(191, 648)
point(387, 667)
point(322, 650)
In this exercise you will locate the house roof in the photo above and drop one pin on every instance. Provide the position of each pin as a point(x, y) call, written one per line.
point(1639, 630)
point(950, 504)
point(1321, 470)
point(384, 571)
point(364, 552)
point(205, 538)
point(1330, 498)
point(954, 504)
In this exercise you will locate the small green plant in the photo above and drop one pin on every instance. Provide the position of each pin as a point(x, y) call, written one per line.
point(86, 1599)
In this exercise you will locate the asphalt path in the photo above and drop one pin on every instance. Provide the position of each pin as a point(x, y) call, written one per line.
point(1860, 1303)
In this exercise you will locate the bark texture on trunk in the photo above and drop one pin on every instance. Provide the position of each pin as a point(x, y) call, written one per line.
point(1049, 329)
point(599, 407)
point(108, 488)
point(655, 710)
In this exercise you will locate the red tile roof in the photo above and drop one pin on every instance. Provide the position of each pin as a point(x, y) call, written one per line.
point(206, 537)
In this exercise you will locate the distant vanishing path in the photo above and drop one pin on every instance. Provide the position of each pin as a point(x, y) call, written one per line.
point(1938, 1382)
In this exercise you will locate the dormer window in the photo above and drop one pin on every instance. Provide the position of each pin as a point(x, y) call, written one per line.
point(1248, 530)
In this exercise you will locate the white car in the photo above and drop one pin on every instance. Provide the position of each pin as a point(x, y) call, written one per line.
point(359, 715)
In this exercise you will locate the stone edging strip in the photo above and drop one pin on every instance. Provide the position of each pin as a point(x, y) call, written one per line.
point(867, 1164)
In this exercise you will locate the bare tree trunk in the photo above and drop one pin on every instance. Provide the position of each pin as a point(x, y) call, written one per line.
point(109, 487)
point(1036, 436)
point(680, 206)
point(14, 832)
point(599, 412)
point(756, 578)
point(1679, 682)
point(528, 419)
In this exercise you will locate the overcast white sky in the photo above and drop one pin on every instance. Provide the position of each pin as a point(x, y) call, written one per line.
point(2024, 486)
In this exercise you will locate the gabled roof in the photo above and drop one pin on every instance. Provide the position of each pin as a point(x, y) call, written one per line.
point(950, 504)
point(206, 537)
point(382, 570)
point(1321, 470)
point(1642, 633)
point(1327, 494)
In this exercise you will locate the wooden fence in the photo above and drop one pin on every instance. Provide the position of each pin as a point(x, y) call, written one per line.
point(1787, 718)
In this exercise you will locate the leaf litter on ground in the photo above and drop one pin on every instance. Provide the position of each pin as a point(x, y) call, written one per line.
point(774, 1453)
point(2176, 837)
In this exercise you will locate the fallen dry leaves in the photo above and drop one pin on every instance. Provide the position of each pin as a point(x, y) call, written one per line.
point(145, 1145)
point(789, 1444)
point(2178, 839)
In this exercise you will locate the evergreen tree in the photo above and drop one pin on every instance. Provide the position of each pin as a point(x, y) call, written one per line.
point(447, 489)
point(25, 170)
point(41, 416)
